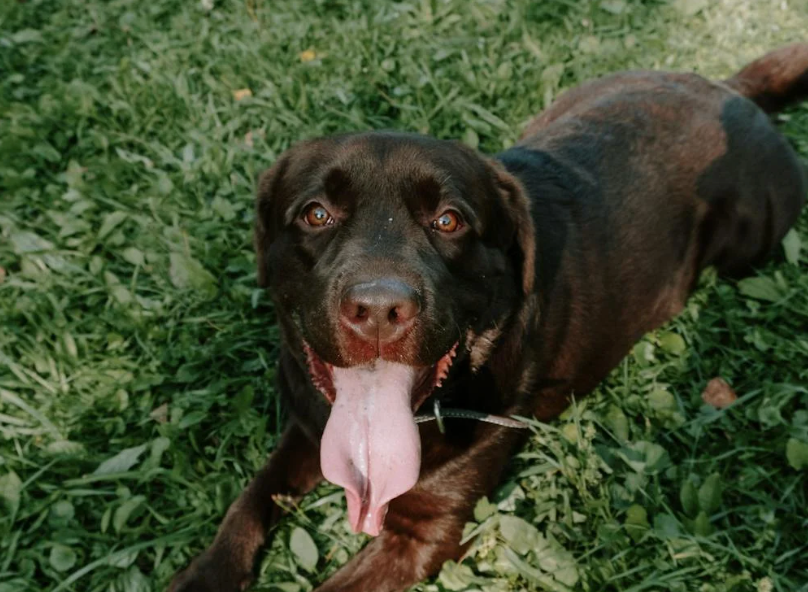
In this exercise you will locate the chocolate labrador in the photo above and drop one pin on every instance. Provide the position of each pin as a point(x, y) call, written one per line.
point(406, 269)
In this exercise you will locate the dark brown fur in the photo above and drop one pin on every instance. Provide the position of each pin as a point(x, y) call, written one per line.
point(589, 233)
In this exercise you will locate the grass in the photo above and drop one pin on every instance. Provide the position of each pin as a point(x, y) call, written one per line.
point(137, 355)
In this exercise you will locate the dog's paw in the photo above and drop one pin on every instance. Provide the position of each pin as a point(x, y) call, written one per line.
point(208, 573)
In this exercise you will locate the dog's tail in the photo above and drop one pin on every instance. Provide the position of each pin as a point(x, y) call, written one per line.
point(777, 79)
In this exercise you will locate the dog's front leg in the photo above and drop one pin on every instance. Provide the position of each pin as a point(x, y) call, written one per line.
point(227, 566)
point(423, 528)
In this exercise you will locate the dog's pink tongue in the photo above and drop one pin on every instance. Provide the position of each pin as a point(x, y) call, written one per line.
point(371, 445)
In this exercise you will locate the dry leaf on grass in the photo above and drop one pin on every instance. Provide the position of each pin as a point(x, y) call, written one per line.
point(718, 393)
point(242, 93)
point(160, 414)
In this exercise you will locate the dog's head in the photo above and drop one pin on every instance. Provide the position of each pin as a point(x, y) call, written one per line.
point(382, 251)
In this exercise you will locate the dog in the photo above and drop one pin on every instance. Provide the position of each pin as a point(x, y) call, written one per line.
point(407, 270)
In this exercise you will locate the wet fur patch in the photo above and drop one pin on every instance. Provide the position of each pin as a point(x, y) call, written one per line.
point(480, 346)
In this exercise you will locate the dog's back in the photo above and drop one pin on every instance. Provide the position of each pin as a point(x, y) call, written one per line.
point(637, 182)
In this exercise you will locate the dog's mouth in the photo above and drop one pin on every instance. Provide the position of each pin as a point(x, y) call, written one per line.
point(371, 446)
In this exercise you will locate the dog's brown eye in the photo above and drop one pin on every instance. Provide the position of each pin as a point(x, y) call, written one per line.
point(317, 215)
point(448, 221)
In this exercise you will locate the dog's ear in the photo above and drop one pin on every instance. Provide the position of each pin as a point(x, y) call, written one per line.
point(517, 211)
point(269, 185)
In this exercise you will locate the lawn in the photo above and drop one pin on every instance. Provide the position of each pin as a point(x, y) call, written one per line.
point(137, 355)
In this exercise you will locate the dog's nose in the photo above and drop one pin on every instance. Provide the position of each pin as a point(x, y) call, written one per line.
point(381, 310)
